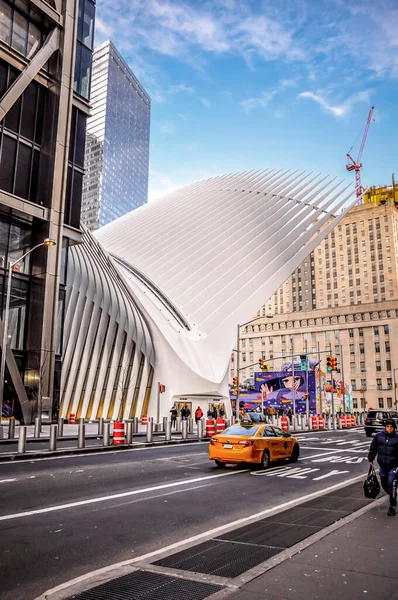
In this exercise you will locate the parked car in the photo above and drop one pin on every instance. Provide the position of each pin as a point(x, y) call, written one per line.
point(256, 444)
point(375, 420)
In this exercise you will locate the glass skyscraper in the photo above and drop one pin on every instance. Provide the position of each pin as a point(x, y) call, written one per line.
point(117, 144)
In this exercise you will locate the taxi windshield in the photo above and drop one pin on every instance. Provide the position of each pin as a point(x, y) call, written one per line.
point(239, 430)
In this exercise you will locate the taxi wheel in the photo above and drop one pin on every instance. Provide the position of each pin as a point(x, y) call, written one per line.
point(220, 464)
point(295, 454)
point(265, 460)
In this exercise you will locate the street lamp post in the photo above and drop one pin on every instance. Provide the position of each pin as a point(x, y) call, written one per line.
point(395, 387)
point(46, 242)
point(238, 355)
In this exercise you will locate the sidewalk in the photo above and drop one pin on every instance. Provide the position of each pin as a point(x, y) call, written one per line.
point(359, 560)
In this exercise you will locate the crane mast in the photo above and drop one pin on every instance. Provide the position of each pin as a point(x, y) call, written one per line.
point(355, 165)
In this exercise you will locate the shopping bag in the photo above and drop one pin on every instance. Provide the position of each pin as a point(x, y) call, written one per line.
point(371, 487)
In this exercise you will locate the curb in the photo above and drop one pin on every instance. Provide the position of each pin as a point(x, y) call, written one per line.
point(93, 450)
point(90, 580)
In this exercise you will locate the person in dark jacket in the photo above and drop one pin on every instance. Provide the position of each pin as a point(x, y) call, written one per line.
point(385, 446)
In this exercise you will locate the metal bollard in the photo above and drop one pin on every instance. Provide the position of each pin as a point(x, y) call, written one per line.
point(11, 429)
point(178, 424)
point(135, 425)
point(53, 437)
point(302, 422)
point(184, 431)
point(1, 432)
point(165, 419)
point(200, 429)
point(81, 441)
point(273, 420)
point(129, 431)
point(328, 422)
point(101, 426)
point(190, 425)
point(61, 427)
point(37, 429)
point(167, 431)
point(149, 430)
point(22, 439)
point(106, 436)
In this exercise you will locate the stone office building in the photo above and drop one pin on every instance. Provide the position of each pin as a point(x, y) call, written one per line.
point(45, 69)
point(343, 296)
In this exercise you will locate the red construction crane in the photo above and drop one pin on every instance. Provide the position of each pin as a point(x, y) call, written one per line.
point(355, 165)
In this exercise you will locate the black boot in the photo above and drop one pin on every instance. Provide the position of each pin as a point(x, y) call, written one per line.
point(391, 511)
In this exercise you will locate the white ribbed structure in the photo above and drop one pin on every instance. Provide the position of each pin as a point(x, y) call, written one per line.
point(108, 353)
point(208, 256)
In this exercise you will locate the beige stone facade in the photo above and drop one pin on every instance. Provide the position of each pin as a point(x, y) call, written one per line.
point(345, 295)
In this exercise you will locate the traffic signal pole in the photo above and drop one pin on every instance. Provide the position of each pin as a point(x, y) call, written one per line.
point(237, 373)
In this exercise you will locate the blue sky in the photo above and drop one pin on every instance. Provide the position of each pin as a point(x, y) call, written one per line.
point(240, 84)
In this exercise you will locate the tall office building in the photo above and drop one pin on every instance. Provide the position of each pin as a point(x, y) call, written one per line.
point(343, 296)
point(44, 105)
point(117, 147)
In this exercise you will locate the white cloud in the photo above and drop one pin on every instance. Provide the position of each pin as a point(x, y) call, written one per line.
point(205, 102)
point(264, 100)
point(338, 110)
point(167, 129)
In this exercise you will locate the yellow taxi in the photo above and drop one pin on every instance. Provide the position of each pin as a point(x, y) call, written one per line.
point(258, 444)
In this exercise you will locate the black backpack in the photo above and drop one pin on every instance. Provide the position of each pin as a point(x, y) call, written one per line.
point(371, 487)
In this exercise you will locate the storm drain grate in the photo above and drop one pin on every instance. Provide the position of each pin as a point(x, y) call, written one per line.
point(224, 559)
point(335, 503)
point(142, 585)
point(282, 535)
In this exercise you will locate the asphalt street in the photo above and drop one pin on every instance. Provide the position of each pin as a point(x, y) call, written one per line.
point(66, 516)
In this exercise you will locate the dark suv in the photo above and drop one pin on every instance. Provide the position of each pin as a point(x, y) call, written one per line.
point(375, 420)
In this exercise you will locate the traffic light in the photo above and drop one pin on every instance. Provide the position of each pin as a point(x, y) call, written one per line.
point(329, 366)
point(236, 385)
point(266, 367)
point(261, 363)
point(334, 363)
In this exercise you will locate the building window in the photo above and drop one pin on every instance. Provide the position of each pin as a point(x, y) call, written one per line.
point(389, 383)
point(378, 365)
point(389, 402)
point(362, 365)
point(386, 330)
point(387, 346)
point(379, 384)
point(377, 347)
point(388, 365)
point(355, 403)
point(381, 403)
point(354, 384)
point(17, 28)
point(376, 330)
point(84, 48)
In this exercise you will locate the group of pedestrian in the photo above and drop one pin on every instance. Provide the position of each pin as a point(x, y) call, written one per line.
point(185, 413)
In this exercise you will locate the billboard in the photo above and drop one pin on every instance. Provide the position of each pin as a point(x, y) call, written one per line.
point(276, 389)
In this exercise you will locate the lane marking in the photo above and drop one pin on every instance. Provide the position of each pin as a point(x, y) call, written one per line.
point(326, 453)
point(6, 480)
point(338, 449)
point(210, 533)
point(41, 511)
point(96, 454)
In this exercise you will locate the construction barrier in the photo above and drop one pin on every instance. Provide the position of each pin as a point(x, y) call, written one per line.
point(210, 428)
point(118, 433)
point(343, 421)
point(352, 421)
point(220, 425)
point(72, 419)
point(314, 422)
point(321, 422)
point(285, 423)
point(144, 420)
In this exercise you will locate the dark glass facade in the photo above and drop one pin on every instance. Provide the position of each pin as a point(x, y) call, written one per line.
point(84, 48)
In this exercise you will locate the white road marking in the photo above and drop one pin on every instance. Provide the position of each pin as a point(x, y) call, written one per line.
point(349, 460)
point(6, 480)
point(325, 453)
point(115, 496)
point(336, 449)
point(330, 474)
point(210, 533)
point(93, 454)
